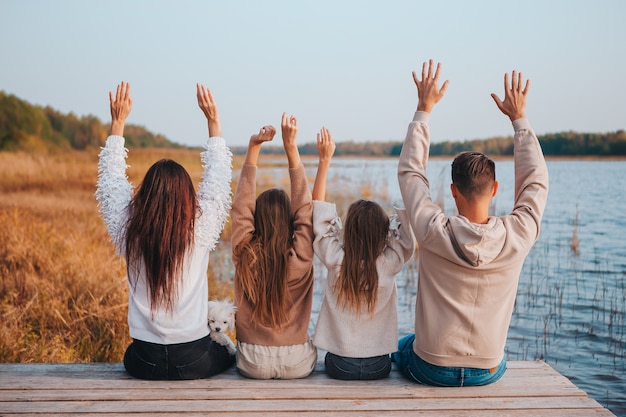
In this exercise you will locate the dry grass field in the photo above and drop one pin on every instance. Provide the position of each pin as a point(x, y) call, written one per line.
point(63, 291)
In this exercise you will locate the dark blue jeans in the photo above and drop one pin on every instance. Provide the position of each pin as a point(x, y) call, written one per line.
point(417, 369)
point(192, 360)
point(340, 367)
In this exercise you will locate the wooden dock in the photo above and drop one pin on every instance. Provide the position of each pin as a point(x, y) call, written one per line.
point(102, 389)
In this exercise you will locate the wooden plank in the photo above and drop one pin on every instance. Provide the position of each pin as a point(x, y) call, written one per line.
point(438, 413)
point(115, 368)
point(104, 372)
point(533, 387)
point(536, 388)
point(297, 406)
point(74, 376)
point(528, 388)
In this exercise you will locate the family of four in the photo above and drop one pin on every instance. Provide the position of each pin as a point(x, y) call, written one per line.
point(469, 263)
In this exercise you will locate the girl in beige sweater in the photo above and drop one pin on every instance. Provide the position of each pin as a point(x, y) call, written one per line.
point(358, 320)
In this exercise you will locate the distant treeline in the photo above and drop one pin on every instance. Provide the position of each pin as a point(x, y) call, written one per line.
point(28, 127)
point(553, 144)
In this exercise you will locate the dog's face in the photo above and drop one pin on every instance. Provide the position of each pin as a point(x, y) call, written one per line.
point(221, 316)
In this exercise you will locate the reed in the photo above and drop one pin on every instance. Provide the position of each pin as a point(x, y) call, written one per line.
point(574, 242)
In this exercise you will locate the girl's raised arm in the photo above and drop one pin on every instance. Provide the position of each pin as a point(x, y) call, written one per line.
point(325, 150)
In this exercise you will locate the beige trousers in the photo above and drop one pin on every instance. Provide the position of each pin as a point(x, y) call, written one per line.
point(276, 362)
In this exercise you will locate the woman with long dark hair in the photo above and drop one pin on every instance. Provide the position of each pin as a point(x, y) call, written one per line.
point(272, 240)
point(165, 232)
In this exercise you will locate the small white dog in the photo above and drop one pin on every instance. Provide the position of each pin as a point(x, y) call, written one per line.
point(221, 319)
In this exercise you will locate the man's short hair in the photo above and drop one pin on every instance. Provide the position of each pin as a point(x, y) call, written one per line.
point(473, 174)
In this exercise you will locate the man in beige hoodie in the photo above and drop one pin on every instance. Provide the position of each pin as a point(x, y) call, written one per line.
point(469, 264)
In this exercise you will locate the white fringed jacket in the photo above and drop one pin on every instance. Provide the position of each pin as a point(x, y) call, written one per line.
point(188, 321)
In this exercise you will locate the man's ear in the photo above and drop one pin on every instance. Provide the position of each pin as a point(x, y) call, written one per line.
point(495, 188)
point(453, 190)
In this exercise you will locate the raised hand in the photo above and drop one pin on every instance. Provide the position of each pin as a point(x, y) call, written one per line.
point(514, 104)
point(428, 91)
point(266, 134)
point(325, 151)
point(209, 108)
point(207, 103)
point(289, 127)
point(325, 145)
point(120, 108)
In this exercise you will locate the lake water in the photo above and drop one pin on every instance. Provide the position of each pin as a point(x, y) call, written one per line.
point(571, 305)
point(570, 308)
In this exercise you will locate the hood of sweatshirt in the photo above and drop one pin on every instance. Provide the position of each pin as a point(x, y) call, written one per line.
point(476, 244)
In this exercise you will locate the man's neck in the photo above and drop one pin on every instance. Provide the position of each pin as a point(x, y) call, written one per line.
point(475, 213)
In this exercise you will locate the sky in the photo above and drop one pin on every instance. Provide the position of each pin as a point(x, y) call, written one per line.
point(345, 65)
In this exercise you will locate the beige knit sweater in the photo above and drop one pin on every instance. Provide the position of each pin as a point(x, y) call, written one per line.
point(340, 330)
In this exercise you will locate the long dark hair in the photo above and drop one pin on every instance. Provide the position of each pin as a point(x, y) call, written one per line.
point(365, 237)
point(160, 230)
point(263, 262)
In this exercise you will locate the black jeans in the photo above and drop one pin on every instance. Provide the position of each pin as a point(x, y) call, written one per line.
point(192, 360)
point(340, 367)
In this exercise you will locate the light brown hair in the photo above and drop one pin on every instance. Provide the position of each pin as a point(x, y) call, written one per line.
point(365, 237)
point(264, 259)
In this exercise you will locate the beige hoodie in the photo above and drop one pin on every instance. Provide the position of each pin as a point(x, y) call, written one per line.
point(468, 273)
